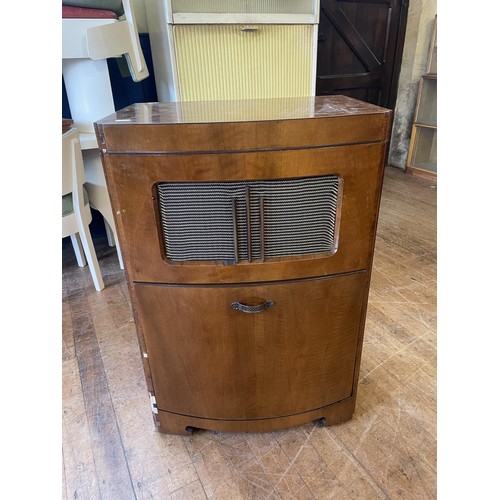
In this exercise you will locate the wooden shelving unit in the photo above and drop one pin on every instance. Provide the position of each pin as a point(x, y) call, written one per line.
point(422, 155)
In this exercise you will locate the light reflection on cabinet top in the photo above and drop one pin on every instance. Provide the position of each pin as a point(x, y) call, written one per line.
point(287, 108)
point(242, 125)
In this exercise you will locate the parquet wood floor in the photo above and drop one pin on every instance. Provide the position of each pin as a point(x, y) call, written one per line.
point(111, 449)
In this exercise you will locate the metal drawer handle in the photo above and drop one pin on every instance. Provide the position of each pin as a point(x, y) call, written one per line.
point(238, 306)
point(249, 28)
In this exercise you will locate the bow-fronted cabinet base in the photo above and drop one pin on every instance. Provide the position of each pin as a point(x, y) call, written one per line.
point(247, 230)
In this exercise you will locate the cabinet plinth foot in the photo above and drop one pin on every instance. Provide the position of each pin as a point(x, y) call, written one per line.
point(172, 423)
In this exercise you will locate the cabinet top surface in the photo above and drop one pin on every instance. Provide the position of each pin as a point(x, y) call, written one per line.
point(287, 108)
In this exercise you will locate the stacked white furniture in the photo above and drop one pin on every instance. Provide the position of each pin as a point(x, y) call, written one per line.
point(76, 214)
point(86, 44)
point(240, 49)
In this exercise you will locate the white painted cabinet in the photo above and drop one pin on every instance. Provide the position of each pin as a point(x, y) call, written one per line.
point(243, 49)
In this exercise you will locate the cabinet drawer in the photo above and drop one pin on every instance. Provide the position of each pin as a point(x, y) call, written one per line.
point(216, 62)
point(249, 352)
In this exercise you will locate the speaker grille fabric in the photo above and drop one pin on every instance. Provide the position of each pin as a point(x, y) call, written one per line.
point(248, 220)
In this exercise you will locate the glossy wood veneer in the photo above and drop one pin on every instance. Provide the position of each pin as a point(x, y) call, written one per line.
point(136, 211)
point(210, 366)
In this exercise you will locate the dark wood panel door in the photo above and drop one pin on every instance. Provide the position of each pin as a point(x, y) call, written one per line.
point(360, 47)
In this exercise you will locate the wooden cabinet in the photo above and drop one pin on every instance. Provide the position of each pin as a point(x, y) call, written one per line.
point(217, 50)
point(247, 230)
point(225, 364)
point(422, 154)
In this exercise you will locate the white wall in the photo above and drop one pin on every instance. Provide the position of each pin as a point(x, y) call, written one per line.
point(416, 50)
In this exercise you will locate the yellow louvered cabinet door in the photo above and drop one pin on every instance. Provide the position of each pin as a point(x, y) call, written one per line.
point(216, 62)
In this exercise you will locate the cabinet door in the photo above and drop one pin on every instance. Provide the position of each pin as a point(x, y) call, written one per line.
point(217, 62)
point(154, 233)
point(209, 359)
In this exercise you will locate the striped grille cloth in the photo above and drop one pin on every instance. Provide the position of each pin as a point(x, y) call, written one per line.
point(203, 221)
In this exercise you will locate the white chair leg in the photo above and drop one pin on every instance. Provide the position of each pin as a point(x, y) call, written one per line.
point(118, 251)
point(112, 240)
point(88, 247)
point(99, 196)
point(109, 234)
point(77, 247)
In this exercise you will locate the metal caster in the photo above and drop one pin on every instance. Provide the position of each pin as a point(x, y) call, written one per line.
point(320, 422)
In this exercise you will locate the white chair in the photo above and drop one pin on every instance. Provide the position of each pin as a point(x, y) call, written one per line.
point(99, 197)
point(86, 44)
point(76, 214)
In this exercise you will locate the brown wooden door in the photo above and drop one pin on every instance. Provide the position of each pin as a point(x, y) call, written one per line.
point(209, 360)
point(360, 46)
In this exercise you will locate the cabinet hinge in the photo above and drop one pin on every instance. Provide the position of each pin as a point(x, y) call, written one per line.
point(152, 400)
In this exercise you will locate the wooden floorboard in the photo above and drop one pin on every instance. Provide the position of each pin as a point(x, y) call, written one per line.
point(111, 449)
